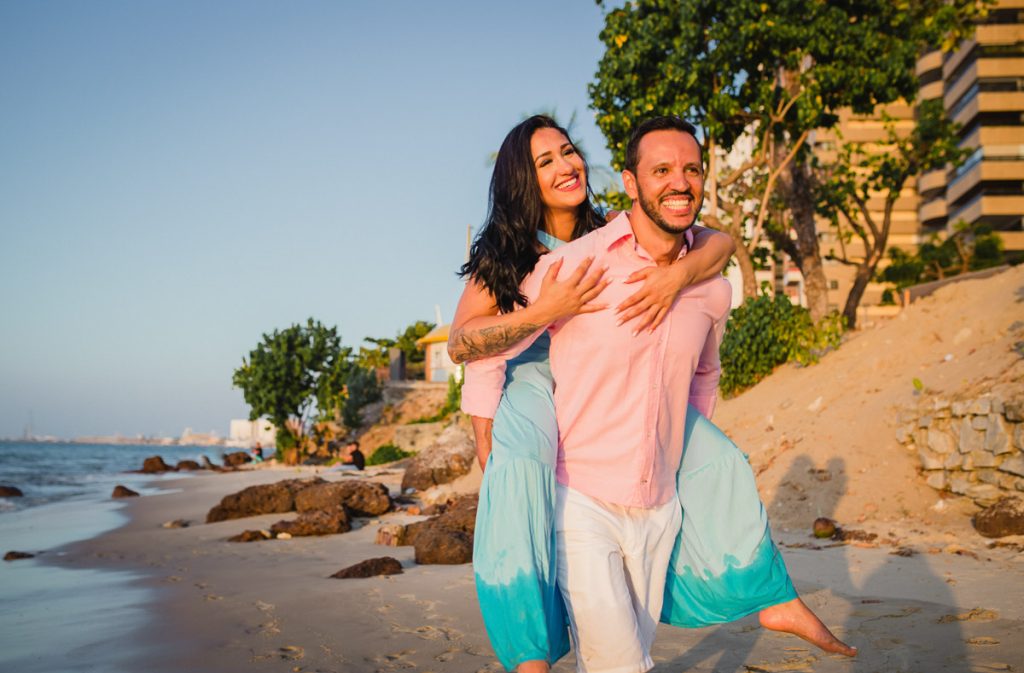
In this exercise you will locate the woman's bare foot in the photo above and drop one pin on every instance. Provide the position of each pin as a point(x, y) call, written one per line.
point(795, 617)
point(533, 666)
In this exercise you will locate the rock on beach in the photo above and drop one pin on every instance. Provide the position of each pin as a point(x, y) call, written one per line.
point(321, 522)
point(385, 565)
point(123, 492)
point(1005, 517)
point(274, 498)
point(362, 498)
point(10, 492)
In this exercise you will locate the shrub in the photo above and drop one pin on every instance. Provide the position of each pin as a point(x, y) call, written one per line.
point(452, 403)
point(387, 453)
point(768, 331)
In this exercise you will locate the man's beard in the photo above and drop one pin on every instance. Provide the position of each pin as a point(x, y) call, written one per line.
point(650, 208)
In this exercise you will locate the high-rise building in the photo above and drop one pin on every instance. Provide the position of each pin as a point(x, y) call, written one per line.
point(981, 84)
point(982, 87)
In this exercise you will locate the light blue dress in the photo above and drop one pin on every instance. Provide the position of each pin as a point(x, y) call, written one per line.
point(724, 565)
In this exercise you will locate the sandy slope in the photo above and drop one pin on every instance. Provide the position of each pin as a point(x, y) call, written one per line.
point(842, 460)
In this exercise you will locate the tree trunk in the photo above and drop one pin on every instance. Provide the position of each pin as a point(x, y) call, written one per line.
point(795, 183)
point(746, 264)
point(860, 283)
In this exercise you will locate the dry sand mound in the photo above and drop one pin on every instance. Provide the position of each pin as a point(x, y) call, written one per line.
point(822, 438)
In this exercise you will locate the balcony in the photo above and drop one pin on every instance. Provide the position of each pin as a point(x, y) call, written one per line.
point(931, 182)
point(933, 213)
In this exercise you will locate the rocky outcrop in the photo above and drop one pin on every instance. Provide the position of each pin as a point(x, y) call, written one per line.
point(971, 446)
point(274, 498)
point(448, 538)
point(10, 492)
point(155, 465)
point(17, 555)
point(384, 565)
point(362, 498)
point(123, 492)
point(188, 465)
point(320, 522)
point(236, 458)
point(1006, 517)
point(450, 457)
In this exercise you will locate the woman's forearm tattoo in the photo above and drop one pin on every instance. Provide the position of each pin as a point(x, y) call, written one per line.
point(481, 343)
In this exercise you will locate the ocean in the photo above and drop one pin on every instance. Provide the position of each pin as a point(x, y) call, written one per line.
point(57, 619)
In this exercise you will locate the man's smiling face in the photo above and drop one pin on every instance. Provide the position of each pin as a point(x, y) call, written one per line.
point(669, 179)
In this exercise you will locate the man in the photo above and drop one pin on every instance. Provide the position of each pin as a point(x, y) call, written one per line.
point(351, 455)
point(620, 401)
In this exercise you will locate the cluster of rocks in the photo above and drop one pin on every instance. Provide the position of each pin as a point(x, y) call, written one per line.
point(443, 539)
point(325, 508)
point(972, 447)
point(156, 464)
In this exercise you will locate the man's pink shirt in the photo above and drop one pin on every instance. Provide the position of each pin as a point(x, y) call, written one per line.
point(620, 399)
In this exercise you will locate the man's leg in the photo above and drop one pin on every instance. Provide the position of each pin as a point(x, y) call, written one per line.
point(608, 636)
point(646, 557)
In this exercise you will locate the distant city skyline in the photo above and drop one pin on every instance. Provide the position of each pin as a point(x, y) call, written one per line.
point(177, 179)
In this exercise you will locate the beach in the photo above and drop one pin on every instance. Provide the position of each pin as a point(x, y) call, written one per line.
point(201, 603)
point(911, 583)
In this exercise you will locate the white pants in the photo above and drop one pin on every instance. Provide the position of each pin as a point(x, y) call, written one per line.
point(612, 563)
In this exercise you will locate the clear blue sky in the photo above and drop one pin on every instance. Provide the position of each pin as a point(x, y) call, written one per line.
point(178, 177)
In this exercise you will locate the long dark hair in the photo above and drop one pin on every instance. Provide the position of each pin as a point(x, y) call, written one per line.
point(505, 251)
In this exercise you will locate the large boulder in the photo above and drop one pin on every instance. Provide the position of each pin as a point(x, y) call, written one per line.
point(362, 498)
point(1006, 517)
point(446, 547)
point(123, 492)
point(261, 499)
point(10, 492)
point(320, 522)
point(236, 458)
point(187, 465)
point(155, 465)
point(447, 538)
point(384, 565)
point(447, 459)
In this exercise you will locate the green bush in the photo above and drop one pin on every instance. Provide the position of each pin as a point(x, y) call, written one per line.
point(387, 453)
point(452, 403)
point(769, 331)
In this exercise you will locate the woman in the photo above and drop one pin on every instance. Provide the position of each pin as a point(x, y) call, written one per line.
point(539, 198)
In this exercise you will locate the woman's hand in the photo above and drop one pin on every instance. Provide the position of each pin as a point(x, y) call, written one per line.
point(651, 302)
point(572, 296)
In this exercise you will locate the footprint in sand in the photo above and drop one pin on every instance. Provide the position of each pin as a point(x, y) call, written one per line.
point(804, 664)
point(213, 597)
point(982, 640)
point(990, 667)
point(291, 652)
point(172, 578)
point(975, 615)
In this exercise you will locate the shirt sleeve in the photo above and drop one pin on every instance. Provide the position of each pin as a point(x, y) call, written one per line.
point(485, 378)
point(704, 385)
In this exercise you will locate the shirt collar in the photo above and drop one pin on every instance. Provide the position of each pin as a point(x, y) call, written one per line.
point(620, 230)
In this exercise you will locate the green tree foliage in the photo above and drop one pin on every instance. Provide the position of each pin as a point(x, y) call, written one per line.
point(405, 340)
point(768, 331)
point(846, 187)
point(968, 248)
point(299, 374)
point(362, 388)
point(775, 71)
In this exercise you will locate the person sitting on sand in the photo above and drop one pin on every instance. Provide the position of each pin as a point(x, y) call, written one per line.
point(257, 453)
point(351, 455)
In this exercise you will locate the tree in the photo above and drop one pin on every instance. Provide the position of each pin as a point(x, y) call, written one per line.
point(775, 70)
point(860, 174)
point(405, 341)
point(300, 373)
point(968, 248)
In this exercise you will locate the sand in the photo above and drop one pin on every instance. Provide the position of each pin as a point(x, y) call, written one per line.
point(822, 442)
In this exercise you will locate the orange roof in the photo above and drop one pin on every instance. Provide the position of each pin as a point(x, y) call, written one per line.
point(434, 336)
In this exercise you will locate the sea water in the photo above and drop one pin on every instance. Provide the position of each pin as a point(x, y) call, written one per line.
point(55, 619)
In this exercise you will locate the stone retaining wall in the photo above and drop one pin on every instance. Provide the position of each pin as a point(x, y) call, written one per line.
point(972, 447)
